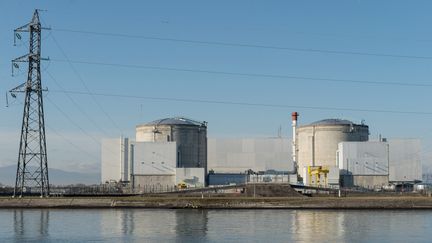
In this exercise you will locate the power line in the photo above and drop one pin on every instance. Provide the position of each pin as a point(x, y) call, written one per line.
point(365, 37)
point(78, 126)
point(326, 35)
point(273, 76)
point(72, 121)
point(72, 144)
point(84, 84)
point(245, 103)
point(79, 107)
point(246, 45)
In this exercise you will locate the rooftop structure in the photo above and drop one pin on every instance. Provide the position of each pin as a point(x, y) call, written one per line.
point(175, 121)
point(332, 122)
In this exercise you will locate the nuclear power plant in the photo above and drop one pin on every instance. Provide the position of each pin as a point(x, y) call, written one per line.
point(330, 153)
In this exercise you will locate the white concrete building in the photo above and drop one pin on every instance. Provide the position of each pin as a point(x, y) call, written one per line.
point(154, 158)
point(376, 164)
point(115, 160)
point(147, 165)
point(317, 142)
point(405, 160)
point(363, 164)
point(155, 165)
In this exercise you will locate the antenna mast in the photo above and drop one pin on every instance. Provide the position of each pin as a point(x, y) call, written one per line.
point(32, 169)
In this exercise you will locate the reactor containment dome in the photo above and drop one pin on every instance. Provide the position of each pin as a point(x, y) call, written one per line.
point(317, 142)
point(189, 135)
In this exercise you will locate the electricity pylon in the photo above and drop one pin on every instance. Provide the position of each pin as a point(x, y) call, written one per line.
point(32, 169)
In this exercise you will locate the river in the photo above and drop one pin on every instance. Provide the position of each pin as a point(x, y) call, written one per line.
point(194, 225)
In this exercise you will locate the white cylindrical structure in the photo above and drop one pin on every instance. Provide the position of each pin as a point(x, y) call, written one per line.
point(317, 142)
point(190, 136)
point(294, 117)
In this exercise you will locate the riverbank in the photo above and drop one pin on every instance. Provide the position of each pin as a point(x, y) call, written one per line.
point(223, 203)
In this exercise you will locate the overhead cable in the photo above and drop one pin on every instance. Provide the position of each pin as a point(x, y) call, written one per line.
point(403, 112)
point(84, 84)
point(230, 44)
point(258, 75)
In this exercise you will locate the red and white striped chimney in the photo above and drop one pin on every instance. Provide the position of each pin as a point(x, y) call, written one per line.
point(294, 117)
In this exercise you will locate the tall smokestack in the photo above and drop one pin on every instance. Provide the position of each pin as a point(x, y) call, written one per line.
point(294, 117)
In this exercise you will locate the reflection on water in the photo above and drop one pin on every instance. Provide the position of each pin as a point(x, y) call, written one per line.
point(191, 224)
point(127, 222)
point(309, 226)
point(144, 225)
point(31, 224)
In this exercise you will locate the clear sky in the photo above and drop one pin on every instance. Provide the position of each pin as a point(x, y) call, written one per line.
point(152, 43)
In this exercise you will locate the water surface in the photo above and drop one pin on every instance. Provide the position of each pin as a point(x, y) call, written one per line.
point(151, 225)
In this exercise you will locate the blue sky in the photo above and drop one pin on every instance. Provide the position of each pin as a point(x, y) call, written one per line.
point(384, 27)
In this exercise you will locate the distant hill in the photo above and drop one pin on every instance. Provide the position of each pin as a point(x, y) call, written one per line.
point(56, 177)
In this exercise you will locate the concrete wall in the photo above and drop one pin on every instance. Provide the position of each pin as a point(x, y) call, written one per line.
point(259, 154)
point(114, 160)
point(333, 176)
point(317, 144)
point(397, 158)
point(148, 183)
point(363, 158)
point(158, 158)
point(365, 181)
point(405, 160)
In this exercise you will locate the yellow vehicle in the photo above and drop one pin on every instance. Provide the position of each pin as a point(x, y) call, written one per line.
point(181, 185)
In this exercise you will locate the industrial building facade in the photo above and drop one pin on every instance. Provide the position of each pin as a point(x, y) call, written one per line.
point(331, 152)
point(155, 165)
point(363, 164)
point(115, 160)
point(405, 161)
point(377, 164)
point(190, 135)
point(242, 154)
point(157, 162)
point(317, 142)
point(335, 152)
point(240, 160)
point(316, 145)
point(165, 153)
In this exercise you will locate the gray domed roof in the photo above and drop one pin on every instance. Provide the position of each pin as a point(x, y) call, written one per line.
point(333, 122)
point(176, 121)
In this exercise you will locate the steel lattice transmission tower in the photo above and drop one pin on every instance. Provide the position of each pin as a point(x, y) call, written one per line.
point(32, 170)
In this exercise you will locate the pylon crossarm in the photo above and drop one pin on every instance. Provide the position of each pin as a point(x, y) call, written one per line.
point(18, 89)
point(23, 58)
point(24, 28)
